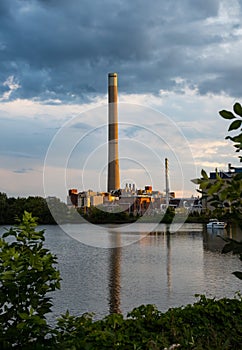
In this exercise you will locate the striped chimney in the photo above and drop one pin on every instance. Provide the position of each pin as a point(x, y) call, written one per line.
point(113, 159)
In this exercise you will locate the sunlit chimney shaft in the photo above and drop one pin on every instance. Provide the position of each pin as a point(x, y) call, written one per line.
point(167, 183)
point(113, 160)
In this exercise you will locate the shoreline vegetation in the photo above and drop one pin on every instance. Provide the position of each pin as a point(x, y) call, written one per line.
point(28, 273)
point(52, 211)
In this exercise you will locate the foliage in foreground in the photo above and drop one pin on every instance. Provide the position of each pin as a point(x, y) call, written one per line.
point(225, 195)
point(236, 116)
point(207, 324)
point(27, 274)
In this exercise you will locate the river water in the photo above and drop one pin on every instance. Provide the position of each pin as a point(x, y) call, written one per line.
point(166, 267)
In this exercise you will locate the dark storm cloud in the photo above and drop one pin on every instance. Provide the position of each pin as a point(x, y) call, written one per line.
point(62, 50)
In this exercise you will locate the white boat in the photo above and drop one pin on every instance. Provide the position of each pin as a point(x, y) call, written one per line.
point(214, 223)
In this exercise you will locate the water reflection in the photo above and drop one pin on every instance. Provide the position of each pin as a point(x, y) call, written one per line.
point(166, 268)
point(235, 232)
point(168, 262)
point(114, 273)
point(212, 238)
point(115, 262)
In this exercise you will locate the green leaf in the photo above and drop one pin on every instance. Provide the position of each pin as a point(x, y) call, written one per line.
point(196, 181)
point(215, 188)
point(218, 177)
point(238, 274)
point(205, 184)
point(6, 234)
point(226, 114)
point(238, 109)
point(229, 138)
point(235, 125)
point(23, 315)
point(237, 138)
point(21, 325)
point(204, 174)
point(7, 275)
point(238, 146)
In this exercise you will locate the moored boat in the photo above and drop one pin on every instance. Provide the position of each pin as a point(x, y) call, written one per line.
point(214, 223)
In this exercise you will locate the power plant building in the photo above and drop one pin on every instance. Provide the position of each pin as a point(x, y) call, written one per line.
point(130, 199)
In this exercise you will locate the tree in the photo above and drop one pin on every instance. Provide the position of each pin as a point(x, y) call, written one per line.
point(3, 207)
point(27, 274)
point(227, 193)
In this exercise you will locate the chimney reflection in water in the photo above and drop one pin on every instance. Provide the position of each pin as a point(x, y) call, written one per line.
point(168, 259)
point(114, 274)
point(115, 255)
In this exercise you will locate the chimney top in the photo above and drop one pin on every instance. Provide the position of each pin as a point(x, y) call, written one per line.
point(112, 74)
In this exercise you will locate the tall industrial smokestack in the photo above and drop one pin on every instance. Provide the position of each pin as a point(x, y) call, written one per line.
point(113, 160)
point(167, 183)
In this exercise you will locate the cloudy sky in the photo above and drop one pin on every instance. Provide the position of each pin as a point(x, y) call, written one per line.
point(178, 63)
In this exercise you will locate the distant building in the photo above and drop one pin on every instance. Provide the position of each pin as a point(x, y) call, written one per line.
point(89, 199)
point(190, 204)
point(72, 198)
point(131, 200)
point(226, 174)
point(128, 199)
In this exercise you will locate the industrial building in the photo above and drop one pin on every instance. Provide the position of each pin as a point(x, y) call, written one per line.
point(131, 200)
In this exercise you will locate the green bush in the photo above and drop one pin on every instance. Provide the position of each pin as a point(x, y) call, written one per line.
point(208, 324)
point(27, 274)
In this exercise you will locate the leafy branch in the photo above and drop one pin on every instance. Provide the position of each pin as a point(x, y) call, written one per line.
point(236, 124)
point(225, 194)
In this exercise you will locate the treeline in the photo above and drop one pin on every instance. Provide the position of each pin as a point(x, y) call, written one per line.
point(12, 209)
point(51, 211)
